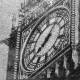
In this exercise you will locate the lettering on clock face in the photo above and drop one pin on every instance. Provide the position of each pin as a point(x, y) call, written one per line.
point(45, 40)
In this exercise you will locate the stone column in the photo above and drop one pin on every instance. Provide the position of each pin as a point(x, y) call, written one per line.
point(17, 52)
point(74, 29)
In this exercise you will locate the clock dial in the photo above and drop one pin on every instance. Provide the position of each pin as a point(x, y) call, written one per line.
point(45, 40)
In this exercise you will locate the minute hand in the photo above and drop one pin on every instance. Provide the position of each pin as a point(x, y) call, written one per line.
point(45, 41)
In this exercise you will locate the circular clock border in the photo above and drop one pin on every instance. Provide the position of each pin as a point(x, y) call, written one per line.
point(38, 23)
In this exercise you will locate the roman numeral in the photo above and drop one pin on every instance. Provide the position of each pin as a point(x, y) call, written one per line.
point(37, 62)
point(60, 20)
point(39, 30)
point(47, 22)
point(31, 60)
point(64, 25)
point(46, 56)
point(61, 36)
point(55, 48)
point(32, 42)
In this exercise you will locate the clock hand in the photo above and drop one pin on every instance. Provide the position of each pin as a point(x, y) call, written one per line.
point(45, 41)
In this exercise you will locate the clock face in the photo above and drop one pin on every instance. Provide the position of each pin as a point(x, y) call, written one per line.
point(45, 39)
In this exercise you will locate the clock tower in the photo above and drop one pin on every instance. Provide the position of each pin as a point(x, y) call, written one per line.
point(46, 42)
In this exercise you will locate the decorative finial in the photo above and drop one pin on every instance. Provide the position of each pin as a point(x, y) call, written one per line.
point(57, 69)
point(75, 58)
point(14, 19)
point(6, 41)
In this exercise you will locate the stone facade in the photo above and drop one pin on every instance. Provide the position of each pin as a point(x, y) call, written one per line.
point(63, 61)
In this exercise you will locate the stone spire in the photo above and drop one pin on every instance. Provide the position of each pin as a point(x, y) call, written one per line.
point(57, 69)
point(13, 23)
